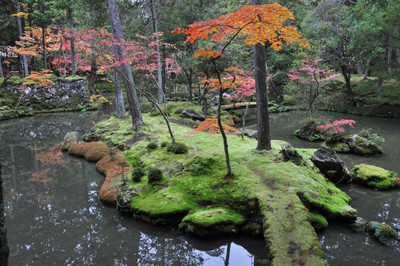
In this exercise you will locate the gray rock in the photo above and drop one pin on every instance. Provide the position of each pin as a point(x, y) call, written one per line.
point(189, 113)
point(72, 136)
point(362, 146)
point(331, 166)
point(124, 196)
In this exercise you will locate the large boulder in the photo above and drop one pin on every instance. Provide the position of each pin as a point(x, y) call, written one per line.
point(375, 177)
point(362, 146)
point(189, 113)
point(331, 166)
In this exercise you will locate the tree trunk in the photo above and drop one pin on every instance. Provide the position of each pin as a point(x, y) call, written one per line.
point(24, 61)
point(398, 60)
point(44, 46)
point(119, 100)
point(346, 76)
point(1, 69)
point(380, 82)
point(389, 56)
point(159, 76)
point(93, 76)
point(134, 105)
point(264, 136)
point(163, 70)
point(190, 83)
point(71, 25)
point(366, 70)
point(4, 251)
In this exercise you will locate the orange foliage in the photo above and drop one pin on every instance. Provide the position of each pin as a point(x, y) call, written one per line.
point(211, 125)
point(207, 52)
point(257, 24)
point(42, 78)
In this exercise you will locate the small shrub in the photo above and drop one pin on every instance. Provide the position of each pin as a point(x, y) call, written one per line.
point(152, 146)
point(154, 174)
point(112, 154)
point(137, 174)
point(147, 107)
point(110, 143)
point(164, 144)
point(177, 148)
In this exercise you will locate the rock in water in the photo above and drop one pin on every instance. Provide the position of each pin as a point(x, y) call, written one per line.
point(331, 166)
point(189, 113)
point(72, 136)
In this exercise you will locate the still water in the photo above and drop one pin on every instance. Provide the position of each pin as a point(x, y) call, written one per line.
point(341, 245)
point(54, 217)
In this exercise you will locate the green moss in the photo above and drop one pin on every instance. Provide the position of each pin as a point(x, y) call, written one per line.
point(213, 216)
point(318, 221)
point(374, 176)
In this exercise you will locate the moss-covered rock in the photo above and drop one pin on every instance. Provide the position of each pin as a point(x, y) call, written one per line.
point(318, 221)
point(381, 231)
point(212, 222)
point(309, 131)
point(374, 176)
point(362, 146)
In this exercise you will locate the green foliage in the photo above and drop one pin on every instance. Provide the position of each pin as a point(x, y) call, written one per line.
point(154, 174)
point(137, 174)
point(152, 146)
point(374, 138)
point(177, 148)
point(112, 154)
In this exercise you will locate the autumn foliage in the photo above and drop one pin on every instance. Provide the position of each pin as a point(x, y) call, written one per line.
point(256, 24)
point(211, 125)
point(337, 126)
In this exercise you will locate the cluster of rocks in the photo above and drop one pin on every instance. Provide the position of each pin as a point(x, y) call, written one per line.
point(62, 91)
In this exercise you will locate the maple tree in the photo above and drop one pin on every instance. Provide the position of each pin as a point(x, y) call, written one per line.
point(211, 125)
point(310, 77)
point(255, 25)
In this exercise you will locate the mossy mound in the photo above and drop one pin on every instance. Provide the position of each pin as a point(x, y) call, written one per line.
point(92, 151)
point(318, 221)
point(212, 222)
point(266, 191)
point(374, 176)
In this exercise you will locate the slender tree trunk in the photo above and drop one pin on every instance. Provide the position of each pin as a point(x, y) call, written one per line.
point(346, 76)
point(134, 105)
point(24, 61)
point(366, 70)
point(398, 60)
point(164, 66)
point(119, 100)
point(159, 76)
point(72, 40)
point(190, 83)
point(44, 46)
point(4, 251)
point(264, 136)
point(1, 69)
point(380, 82)
point(389, 56)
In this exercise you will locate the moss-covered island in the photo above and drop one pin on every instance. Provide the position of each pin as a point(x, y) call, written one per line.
point(266, 196)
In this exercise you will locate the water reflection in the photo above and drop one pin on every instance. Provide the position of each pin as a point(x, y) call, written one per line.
point(53, 214)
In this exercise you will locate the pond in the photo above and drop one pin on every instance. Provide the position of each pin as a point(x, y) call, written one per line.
point(54, 217)
point(341, 245)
